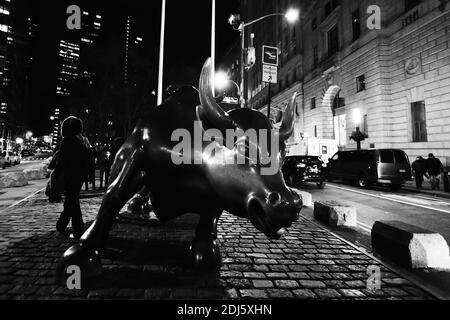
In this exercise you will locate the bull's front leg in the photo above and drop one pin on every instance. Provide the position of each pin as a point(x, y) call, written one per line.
point(204, 251)
point(127, 179)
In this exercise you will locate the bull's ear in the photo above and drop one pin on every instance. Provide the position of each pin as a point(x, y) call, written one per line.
point(212, 111)
point(287, 124)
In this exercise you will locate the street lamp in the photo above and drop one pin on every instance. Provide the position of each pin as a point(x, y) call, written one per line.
point(222, 81)
point(291, 16)
point(357, 135)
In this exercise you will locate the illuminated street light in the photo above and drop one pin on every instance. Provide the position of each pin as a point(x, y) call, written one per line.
point(357, 117)
point(19, 140)
point(29, 135)
point(292, 15)
point(221, 80)
point(357, 135)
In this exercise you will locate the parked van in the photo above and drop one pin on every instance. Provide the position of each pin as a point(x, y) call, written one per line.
point(384, 166)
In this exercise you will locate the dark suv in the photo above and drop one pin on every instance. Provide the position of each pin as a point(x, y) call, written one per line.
point(299, 169)
point(384, 166)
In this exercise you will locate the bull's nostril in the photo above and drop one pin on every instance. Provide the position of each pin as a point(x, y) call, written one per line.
point(274, 198)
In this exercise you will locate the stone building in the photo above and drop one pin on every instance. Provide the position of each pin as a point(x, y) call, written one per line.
point(392, 82)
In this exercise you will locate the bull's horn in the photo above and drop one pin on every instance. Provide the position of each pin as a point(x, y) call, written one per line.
point(287, 124)
point(213, 112)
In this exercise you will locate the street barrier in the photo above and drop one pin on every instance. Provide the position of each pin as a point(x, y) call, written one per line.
point(13, 179)
point(20, 178)
point(335, 214)
point(410, 246)
point(35, 174)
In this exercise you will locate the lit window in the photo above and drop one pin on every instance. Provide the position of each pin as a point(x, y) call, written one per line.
point(4, 28)
point(4, 11)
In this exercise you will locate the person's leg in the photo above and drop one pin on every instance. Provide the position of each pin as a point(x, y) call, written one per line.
point(106, 178)
point(93, 179)
point(433, 182)
point(64, 218)
point(101, 178)
point(73, 207)
point(418, 181)
point(438, 181)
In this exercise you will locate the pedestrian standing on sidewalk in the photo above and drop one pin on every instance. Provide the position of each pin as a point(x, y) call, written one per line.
point(420, 168)
point(91, 167)
point(434, 169)
point(104, 168)
point(73, 164)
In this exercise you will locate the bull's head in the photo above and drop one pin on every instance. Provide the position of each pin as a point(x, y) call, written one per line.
point(246, 189)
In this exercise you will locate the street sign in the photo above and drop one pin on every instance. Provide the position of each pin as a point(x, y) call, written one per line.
point(270, 74)
point(230, 100)
point(270, 55)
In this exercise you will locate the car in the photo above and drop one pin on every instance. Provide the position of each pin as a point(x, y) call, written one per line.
point(2, 161)
point(300, 169)
point(17, 157)
point(10, 158)
point(390, 167)
point(26, 153)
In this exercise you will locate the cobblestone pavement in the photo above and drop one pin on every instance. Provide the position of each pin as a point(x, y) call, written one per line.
point(146, 259)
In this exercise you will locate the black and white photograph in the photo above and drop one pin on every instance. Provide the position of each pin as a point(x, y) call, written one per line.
point(225, 158)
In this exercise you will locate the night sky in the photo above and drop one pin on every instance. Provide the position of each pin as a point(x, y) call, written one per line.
point(187, 41)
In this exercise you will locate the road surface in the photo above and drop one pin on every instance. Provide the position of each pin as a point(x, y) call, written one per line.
point(25, 164)
point(378, 203)
point(12, 196)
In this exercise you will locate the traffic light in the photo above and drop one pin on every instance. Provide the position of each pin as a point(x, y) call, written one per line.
point(235, 20)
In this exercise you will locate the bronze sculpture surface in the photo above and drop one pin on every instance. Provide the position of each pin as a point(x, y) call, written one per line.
point(145, 164)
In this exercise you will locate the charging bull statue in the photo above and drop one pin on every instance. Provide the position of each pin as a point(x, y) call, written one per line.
point(208, 187)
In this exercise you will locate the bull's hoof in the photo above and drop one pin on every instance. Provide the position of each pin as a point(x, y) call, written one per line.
point(78, 258)
point(139, 205)
point(205, 253)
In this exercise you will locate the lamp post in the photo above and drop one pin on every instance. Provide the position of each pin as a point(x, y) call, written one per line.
point(357, 135)
point(291, 16)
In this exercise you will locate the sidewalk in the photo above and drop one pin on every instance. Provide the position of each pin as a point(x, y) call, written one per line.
point(426, 189)
point(146, 259)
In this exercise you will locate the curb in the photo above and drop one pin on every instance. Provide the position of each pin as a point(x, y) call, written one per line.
point(427, 192)
point(34, 159)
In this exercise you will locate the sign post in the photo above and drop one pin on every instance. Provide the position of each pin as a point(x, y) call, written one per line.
point(270, 70)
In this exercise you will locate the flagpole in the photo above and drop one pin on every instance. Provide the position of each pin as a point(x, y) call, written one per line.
point(161, 52)
point(213, 43)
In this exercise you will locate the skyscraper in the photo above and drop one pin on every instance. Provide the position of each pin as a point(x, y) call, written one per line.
point(132, 40)
point(73, 50)
point(5, 29)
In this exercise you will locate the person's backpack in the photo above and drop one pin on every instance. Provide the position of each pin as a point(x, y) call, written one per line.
point(55, 185)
